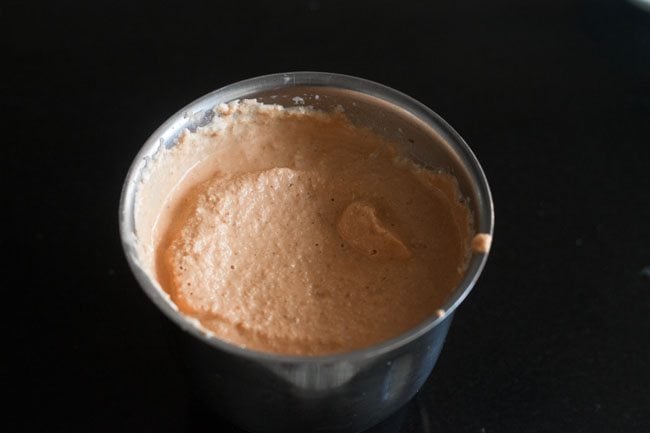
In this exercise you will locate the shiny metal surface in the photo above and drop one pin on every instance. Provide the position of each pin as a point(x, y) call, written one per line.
point(345, 392)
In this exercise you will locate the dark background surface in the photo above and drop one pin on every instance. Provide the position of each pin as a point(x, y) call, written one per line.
point(553, 97)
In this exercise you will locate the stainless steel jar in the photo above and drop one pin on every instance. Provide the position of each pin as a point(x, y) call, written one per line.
point(345, 392)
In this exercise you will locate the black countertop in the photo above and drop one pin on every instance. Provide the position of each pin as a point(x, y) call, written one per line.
point(553, 97)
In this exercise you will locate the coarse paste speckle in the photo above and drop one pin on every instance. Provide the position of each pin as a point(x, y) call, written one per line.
point(294, 231)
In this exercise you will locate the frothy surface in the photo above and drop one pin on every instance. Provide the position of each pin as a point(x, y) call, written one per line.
point(300, 233)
